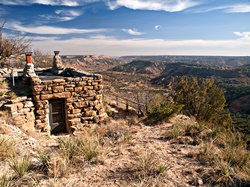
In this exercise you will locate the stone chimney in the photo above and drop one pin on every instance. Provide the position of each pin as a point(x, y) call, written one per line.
point(57, 63)
point(29, 66)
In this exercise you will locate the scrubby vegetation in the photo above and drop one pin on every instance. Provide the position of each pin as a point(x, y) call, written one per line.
point(161, 109)
point(221, 148)
point(200, 98)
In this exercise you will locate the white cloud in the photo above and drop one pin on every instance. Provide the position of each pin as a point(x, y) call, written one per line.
point(11, 2)
point(236, 8)
point(62, 15)
point(158, 27)
point(100, 37)
point(243, 35)
point(56, 18)
point(42, 38)
point(157, 5)
point(72, 13)
point(114, 47)
point(50, 29)
point(165, 5)
point(48, 2)
point(132, 31)
point(58, 2)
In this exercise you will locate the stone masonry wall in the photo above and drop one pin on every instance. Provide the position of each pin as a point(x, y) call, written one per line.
point(83, 100)
point(21, 110)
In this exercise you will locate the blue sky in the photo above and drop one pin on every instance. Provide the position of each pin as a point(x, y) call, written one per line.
point(131, 27)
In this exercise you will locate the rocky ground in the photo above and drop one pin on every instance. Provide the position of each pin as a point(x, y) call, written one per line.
point(126, 159)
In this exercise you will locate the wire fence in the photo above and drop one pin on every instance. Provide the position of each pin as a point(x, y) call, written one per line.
point(140, 108)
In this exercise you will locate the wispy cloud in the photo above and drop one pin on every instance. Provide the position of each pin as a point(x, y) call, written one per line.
point(11, 2)
point(235, 8)
point(50, 29)
point(62, 15)
point(43, 38)
point(55, 18)
point(132, 31)
point(100, 37)
point(238, 8)
point(169, 6)
point(243, 35)
point(70, 3)
point(58, 2)
point(72, 13)
point(164, 5)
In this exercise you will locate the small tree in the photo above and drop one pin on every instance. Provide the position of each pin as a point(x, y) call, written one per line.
point(200, 98)
point(42, 59)
point(14, 45)
point(161, 108)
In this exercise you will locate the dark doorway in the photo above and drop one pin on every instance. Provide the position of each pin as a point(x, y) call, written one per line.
point(57, 116)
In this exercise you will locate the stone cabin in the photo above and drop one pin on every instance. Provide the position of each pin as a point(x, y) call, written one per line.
point(62, 99)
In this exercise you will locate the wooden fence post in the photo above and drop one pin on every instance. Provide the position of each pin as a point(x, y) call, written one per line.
point(140, 106)
point(126, 105)
point(117, 100)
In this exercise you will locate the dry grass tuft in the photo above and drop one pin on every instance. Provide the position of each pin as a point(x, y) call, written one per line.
point(148, 171)
point(5, 181)
point(86, 146)
point(220, 147)
point(59, 166)
point(176, 130)
point(5, 118)
point(89, 147)
point(3, 88)
point(7, 147)
point(68, 147)
point(3, 127)
point(231, 156)
point(44, 157)
point(20, 165)
point(116, 132)
point(11, 95)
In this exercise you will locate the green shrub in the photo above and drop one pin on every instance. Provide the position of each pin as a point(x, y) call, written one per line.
point(161, 109)
point(200, 98)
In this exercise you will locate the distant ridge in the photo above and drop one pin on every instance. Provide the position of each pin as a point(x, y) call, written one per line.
point(205, 60)
point(141, 67)
point(91, 62)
